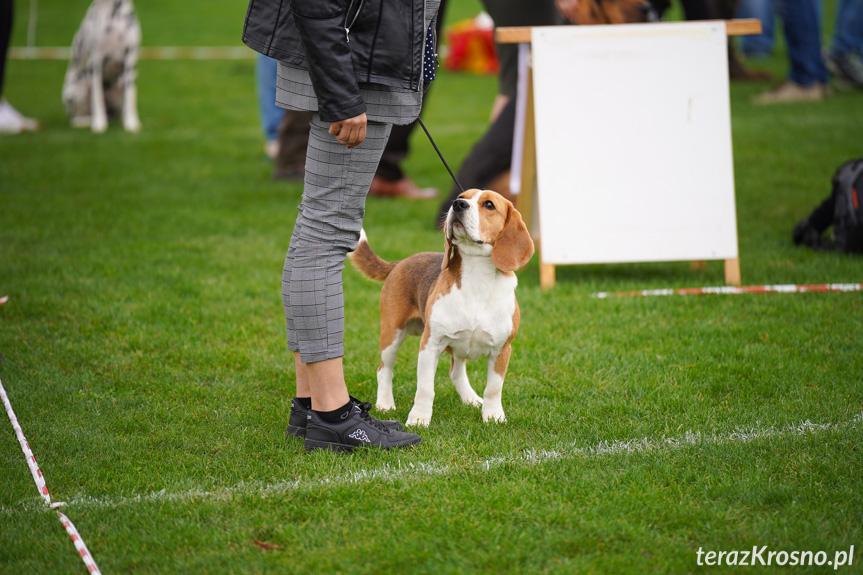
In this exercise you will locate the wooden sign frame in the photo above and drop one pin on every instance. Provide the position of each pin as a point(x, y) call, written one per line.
point(527, 198)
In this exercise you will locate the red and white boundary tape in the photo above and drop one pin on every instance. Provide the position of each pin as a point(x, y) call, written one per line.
point(80, 546)
point(732, 290)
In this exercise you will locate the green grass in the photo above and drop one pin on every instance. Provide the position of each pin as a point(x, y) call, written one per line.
point(143, 351)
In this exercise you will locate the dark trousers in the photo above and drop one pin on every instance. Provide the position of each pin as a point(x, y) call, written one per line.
point(398, 146)
point(5, 36)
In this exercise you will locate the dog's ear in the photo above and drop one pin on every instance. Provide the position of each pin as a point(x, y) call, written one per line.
point(448, 248)
point(514, 246)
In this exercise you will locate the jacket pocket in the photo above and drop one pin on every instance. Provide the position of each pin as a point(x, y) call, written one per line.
point(319, 9)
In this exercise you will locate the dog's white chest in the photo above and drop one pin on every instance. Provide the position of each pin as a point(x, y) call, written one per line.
point(475, 320)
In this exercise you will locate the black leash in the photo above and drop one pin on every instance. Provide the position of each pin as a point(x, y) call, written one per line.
point(457, 183)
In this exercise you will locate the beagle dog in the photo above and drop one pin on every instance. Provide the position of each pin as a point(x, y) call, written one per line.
point(101, 77)
point(461, 302)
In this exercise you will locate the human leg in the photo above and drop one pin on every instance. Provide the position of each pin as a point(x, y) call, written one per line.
point(845, 61)
point(848, 34)
point(327, 228)
point(802, 28)
point(271, 115)
point(390, 180)
point(808, 79)
point(5, 36)
point(396, 151)
point(11, 120)
point(756, 45)
point(293, 141)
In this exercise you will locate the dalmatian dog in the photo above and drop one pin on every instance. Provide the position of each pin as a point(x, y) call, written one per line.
point(100, 80)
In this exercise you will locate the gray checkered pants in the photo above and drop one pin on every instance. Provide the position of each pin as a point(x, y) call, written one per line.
point(327, 228)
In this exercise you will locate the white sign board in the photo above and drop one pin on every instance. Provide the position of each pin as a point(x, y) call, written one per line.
point(633, 143)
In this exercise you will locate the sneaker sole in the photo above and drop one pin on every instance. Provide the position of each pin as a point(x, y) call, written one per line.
point(297, 431)
point(315, 445)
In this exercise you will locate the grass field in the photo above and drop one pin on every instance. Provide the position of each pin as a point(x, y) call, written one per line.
point(143, 351)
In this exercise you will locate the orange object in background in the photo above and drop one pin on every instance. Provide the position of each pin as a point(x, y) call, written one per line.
point(470, 46)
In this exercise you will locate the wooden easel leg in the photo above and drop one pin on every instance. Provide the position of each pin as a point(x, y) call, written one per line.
point(732, 272)
point(526, 199)
point(546, 276)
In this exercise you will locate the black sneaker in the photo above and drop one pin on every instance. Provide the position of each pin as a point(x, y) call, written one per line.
point(847, 69)
point(359, 429)
point(299, 417)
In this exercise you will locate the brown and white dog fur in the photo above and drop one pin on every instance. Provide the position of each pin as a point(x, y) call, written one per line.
point(461, 301)
point(101, 77)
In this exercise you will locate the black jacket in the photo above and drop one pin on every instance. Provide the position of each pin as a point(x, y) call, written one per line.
point(385, 45)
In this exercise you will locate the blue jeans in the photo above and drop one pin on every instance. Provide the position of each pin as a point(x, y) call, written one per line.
point(757, 44)
point(265, 80)
point(848, 35)
point(802, 24)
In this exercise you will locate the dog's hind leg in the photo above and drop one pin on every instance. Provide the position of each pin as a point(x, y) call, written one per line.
point(458, 375)
point(389, 353)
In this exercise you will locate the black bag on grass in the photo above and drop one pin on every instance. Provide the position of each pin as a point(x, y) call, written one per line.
point(843, 210)
point(848, 211)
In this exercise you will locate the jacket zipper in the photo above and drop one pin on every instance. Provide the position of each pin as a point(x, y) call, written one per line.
point(347, 13)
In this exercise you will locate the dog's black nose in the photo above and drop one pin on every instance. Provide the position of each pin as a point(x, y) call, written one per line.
point(460, 205)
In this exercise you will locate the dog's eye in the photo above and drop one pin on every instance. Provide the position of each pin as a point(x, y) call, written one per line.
point(488, 205)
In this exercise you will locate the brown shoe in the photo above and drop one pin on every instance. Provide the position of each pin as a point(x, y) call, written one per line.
point(742, 74)
point(404, 188)
point(739, 73)
point(790, 91)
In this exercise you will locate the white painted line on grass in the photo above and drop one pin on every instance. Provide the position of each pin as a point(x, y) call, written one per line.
point(39, 480)
point(146, 53)
point(408, 470)
point(735, 290)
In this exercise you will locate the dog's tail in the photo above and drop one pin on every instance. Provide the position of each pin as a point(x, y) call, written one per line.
point(368, 262)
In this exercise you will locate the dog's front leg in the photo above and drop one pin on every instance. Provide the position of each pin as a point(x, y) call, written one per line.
point(99, 115)
point(427, 361)
point(98, 111)
point(492, 405)
point(131, 121)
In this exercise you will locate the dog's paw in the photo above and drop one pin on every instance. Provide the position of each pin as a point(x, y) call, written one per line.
point(494, 415)
point(98, 126)
point(132, 126)
point(475, 401)
point(385, 405)
point(81, 121)
point(418, 420)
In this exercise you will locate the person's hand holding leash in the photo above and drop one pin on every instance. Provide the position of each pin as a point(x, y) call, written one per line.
point(350, 132)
